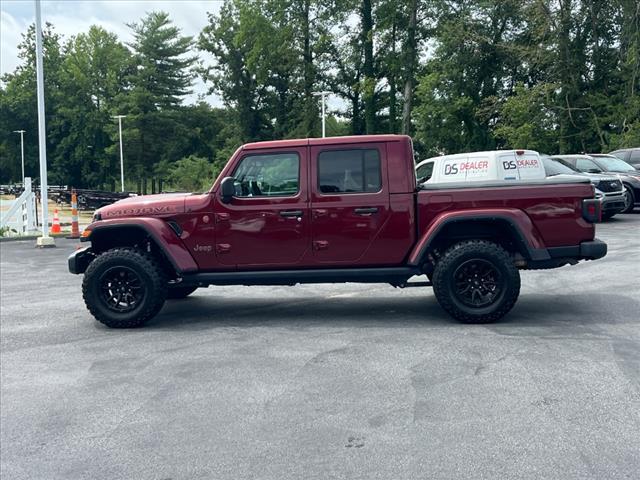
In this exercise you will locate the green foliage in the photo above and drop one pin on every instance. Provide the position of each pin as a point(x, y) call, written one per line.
point(7, 231)
point(529, 120)
point(191, 174)
point(556, 76)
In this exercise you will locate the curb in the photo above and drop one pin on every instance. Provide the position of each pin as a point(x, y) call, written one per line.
point(34, 237)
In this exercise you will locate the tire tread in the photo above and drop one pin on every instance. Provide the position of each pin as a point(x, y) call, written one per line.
point(447, 262)
point(157, 291)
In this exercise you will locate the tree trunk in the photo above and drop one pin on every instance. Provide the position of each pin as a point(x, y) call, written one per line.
point(392, 79)
point(410, 59)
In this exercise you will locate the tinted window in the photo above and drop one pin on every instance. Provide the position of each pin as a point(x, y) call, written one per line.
point(555, 167)
point(349, 171)
point(268, 175)
point(566, 163)
point(424, 172)
point(585, 165)
point(635, 156)
point(614, 164)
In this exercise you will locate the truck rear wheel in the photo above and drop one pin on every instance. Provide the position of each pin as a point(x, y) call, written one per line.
point(476, 282)
point(124, 287)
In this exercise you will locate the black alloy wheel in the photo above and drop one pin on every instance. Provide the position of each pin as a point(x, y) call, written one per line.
point(477, 283)
point(122, 289)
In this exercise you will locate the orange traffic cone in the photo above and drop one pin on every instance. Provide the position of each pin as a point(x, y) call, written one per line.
point(55, 227)
point(75, 229)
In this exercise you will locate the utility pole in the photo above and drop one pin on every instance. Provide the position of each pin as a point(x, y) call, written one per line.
point(322, 96)
point(45, 240)
point(120, 117)
point(21, 132)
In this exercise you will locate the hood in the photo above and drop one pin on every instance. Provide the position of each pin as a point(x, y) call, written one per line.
point(630, 175)
point(600, 176)
point(162, 205)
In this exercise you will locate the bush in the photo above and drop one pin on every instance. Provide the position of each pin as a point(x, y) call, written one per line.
point(191, 174)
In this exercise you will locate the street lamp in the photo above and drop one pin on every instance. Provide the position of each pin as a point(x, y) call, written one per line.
point(21, 132)
point(45, 240)
point(120, 117)
point(322, 94)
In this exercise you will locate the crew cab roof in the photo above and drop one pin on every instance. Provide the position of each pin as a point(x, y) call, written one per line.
point(301, 142)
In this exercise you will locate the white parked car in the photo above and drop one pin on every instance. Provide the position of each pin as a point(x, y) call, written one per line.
point(498, 165)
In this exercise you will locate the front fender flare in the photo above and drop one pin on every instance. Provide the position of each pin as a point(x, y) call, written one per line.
point(159, 231)
point(519, 222)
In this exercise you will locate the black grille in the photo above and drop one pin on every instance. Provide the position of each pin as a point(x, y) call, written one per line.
point(609, 186)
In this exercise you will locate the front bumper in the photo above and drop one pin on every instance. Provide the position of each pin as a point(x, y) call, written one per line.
point(79, 260)
point(613, 203)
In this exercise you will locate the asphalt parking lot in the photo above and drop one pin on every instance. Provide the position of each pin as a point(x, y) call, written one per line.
point(324, 381)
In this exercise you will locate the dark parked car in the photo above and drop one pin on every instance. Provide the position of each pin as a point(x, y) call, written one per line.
point(630, 176)
point(629, 155)
point(609, 188)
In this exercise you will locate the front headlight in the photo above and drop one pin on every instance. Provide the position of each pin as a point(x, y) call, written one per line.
point(599, 194)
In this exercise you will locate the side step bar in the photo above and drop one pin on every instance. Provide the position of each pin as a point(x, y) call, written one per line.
point(393, 275)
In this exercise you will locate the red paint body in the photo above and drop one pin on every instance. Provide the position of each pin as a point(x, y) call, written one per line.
point(249, 233)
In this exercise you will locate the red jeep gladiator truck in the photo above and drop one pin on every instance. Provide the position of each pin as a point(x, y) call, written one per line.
point(330, 210)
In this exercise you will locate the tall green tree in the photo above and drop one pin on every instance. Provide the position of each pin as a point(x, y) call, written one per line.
point(162, 75)
point(93, 74)
point(19, 107)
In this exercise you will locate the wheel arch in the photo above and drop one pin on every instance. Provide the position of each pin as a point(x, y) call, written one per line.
point(512, 230)
point(149, 233)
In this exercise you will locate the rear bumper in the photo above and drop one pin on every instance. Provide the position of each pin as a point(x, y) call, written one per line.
point(79, 260)
point(591, 250)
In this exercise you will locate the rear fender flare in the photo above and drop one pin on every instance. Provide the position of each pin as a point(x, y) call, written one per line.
point(520, 224)
point(159, 231)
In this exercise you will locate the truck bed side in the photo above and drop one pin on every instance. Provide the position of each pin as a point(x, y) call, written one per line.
point(547, 214)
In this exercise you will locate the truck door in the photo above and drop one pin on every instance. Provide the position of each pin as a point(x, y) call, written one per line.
point(349, 203)
point(267, 223)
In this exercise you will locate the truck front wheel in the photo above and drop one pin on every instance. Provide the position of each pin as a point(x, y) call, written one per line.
point(476, 282)
point(124, 287)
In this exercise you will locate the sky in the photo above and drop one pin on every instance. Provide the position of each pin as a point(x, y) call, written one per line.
point(70, 17)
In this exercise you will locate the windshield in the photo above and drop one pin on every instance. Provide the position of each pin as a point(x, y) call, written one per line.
point(424, 172)
point(614, 164)
point(556, 167)
point(565, 163)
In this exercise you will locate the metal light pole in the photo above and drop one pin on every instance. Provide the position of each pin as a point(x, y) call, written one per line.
point(21, 132)
point(45, 240)
point(322, 94)
point(120, 117)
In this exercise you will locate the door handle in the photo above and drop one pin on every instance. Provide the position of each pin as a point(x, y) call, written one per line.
point(291, 213)
point(365, 210)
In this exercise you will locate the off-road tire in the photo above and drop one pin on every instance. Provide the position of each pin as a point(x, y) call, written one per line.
point(456, 257)
point(151, 277)
point(179, 292)
point(629, 208)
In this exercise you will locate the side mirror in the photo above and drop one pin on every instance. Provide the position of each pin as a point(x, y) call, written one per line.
point(227, 189)
point(594, 170)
